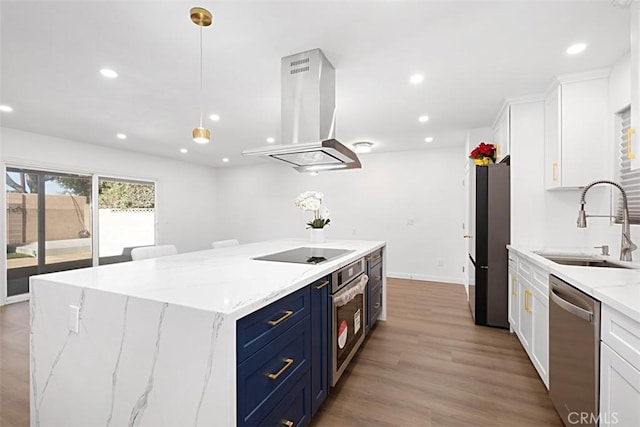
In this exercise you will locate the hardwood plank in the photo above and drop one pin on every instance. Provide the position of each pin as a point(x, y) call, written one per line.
point(428, 365)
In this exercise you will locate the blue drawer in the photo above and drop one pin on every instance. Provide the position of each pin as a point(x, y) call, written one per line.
point(294, 408)
point(266, 377)
point(257, 329)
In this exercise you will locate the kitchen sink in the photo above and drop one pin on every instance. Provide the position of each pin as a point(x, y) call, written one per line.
point(582, 261)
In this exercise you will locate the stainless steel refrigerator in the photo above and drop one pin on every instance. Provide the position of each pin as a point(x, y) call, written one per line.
point(490, 231)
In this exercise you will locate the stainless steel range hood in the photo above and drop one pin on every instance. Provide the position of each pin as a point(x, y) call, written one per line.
point(308, 117)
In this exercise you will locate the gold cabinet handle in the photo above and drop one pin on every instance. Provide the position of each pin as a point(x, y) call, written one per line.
point(287, 423)
point(322, 285)
point(467, 236)
point(375, 258)
point(287, 313)
point(630, 155)
point(287, 363)
point(497, 151)
point(511, 259)
point(514, 280)
point(377, 277)
point(526, 302)
point(555, 171)
point(377, 305)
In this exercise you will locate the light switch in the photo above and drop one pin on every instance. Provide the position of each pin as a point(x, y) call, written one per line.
point(74, 319)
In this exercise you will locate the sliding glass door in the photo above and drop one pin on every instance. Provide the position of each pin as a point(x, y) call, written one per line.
point(48, 224)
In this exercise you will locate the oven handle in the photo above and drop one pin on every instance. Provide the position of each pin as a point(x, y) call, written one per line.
point(347, 294)
point(573, 309)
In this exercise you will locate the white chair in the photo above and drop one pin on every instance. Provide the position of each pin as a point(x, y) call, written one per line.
point(225, 243)
point(146, 252)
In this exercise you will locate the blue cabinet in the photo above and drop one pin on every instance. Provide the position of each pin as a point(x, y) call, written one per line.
point(273, 372)
point(320, 351)
point(374, 289)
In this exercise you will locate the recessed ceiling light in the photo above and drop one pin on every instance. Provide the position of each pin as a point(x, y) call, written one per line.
point(184, 150)
point(423, 119)
point(121, 136)
point(576, 48)
point(110, 74)
point(225, 160)
point(5, 109)
point(271, 140)
point(214, 117)
point(428, 139)
point(363, 147)
point(416, 79)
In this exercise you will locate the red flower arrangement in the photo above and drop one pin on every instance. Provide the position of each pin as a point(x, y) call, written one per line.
point(484, 151)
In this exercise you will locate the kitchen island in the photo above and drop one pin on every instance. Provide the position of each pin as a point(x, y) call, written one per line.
point(153, 342)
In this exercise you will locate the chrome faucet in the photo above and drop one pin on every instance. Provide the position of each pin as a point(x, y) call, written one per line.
point(626, 245)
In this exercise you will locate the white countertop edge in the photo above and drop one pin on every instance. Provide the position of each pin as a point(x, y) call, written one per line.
point(597, 282)
point(241, 305)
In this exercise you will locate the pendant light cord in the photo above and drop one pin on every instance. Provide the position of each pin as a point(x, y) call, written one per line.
point(201, 76)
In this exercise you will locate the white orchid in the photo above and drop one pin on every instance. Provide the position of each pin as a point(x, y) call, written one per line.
point(312, 201)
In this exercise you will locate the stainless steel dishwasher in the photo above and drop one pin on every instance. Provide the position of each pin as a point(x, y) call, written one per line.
point(574, 353)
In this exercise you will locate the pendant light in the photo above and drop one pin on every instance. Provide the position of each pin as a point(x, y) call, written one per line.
point(202, 18)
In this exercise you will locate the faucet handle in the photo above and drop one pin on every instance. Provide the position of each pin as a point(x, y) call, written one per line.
point(605, 249)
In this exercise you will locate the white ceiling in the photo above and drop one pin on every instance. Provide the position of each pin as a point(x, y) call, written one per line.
point(473, 55)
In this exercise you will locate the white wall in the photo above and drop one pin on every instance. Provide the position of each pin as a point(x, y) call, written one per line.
point(547, 219)
point(373, 203)
point(185, 193)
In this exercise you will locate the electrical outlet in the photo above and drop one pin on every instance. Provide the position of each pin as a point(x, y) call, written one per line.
point(440, 263)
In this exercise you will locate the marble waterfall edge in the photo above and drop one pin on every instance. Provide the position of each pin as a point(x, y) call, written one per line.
point(133, 362)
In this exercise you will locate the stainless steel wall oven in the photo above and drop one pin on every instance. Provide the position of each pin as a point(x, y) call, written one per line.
point(348, 307)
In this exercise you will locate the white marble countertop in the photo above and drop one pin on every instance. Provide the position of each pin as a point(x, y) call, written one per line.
point(618, 288)
point(225, 280)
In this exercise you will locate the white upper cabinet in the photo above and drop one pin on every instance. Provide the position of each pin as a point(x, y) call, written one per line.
point(502, 133)
point(576, 130)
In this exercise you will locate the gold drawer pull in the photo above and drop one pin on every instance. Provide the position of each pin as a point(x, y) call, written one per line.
point(287, 313)
point(320, 286)
point(287, 423)
point(287, 363)
point(377, 305)
point(513, 287)
point(511, 259)
point(467, 236)
point(377, 277)
point(526, 302)
point(377, 257)
point(630, 155)
point(555, 171)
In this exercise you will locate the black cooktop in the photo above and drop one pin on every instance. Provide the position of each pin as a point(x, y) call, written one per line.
point(305, 255)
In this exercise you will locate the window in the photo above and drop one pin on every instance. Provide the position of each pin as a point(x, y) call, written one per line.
point(126, 218)
point(629, 179)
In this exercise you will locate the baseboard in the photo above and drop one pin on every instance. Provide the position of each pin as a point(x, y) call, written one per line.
point(426, 277)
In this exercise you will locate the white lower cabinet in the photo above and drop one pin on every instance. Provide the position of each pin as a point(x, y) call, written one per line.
point(619, 369)
point(619, 390)
point(529, 311)
point(513, 300)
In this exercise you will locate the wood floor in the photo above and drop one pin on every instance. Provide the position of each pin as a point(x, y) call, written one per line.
point(428, 365)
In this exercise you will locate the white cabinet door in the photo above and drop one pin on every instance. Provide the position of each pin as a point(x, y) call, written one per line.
point(540, 338)
point(513, 300)
point(552, 138)
point(619, 390)
point(576, 124)
point(502, 134)
point(525, 318)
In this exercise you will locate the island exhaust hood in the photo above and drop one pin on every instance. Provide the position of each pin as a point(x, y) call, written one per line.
point(308, 117)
